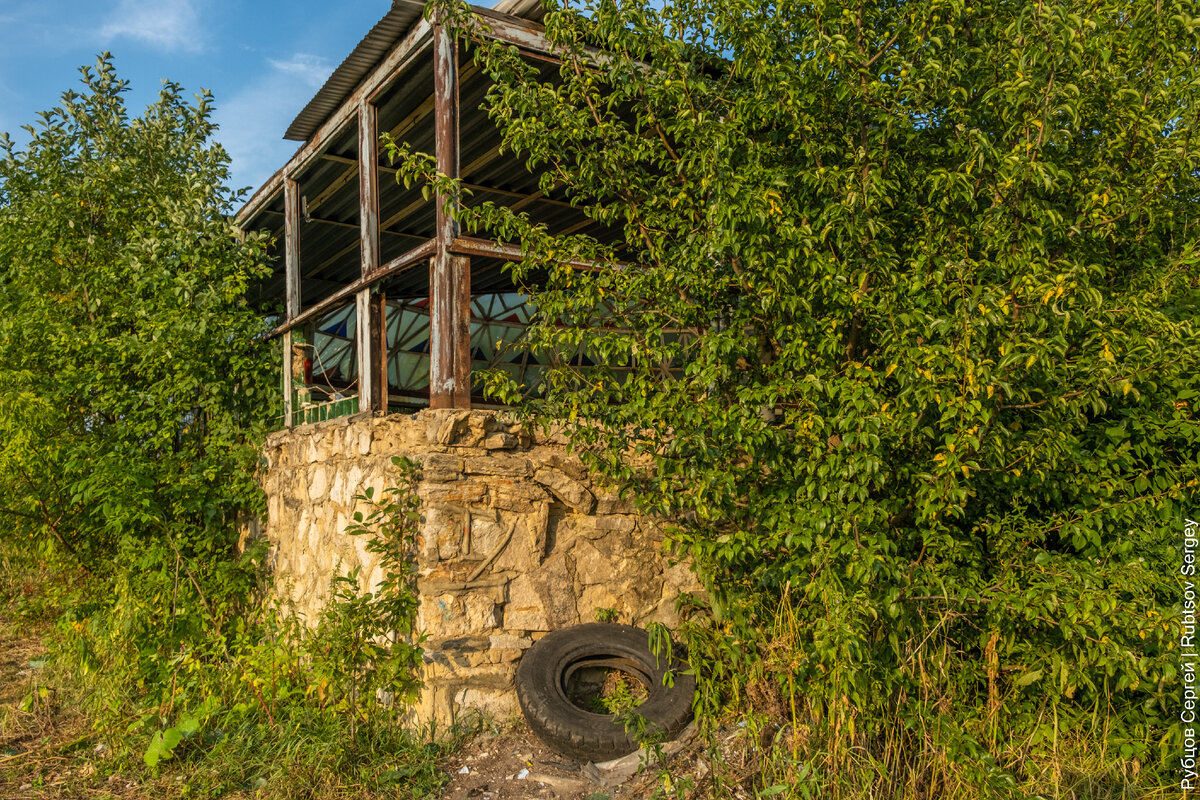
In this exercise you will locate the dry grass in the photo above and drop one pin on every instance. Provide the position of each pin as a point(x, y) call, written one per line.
point(45, 743)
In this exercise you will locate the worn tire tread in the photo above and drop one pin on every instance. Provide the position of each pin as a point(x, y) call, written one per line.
point(586, 736)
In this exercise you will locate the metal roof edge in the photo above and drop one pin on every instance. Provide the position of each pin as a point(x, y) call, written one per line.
point(382, 37)
point(374, 47)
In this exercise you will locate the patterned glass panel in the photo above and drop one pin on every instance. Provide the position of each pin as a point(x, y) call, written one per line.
point(498, 322)
point(333, 369)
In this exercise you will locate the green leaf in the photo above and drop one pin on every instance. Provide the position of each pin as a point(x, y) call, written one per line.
point(162, 746)
point(1028, 678)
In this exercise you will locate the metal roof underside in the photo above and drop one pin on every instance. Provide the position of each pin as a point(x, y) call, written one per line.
point(370, 51)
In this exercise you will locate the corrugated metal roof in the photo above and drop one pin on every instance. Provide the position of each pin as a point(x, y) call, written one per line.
point(370, 51)
point(526, 9)
point(374, 46)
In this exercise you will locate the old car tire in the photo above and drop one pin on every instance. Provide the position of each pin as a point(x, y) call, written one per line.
point(548, 666)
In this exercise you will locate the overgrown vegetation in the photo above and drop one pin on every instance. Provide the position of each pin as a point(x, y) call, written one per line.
point(136, 385)
point(909, 297)
point(268, 704)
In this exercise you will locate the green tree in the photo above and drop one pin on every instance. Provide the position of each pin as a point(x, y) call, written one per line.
point(134, 381)
point(909, 296)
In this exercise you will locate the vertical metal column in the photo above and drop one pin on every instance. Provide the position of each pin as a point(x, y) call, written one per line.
point(449, 276)
point(369, 342)
point(291, 246)
point(362, 336)
point(378, 333)
point(291, 264)
point(286, 386)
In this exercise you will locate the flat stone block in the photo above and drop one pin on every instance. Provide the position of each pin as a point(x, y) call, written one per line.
point(440, 467)
point(501, 441)
point(505, 464)
point(570, 491)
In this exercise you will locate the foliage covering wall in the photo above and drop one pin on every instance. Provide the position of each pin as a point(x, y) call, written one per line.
point(913, 329)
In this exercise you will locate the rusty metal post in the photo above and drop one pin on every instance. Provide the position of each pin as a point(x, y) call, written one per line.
point(449, 276)
point(450, 332)
point(286, 385)
point(372, 350)
point(291, 266)
point(378, 333)
point(368, 185)
point(362, 335)
point(291, 246)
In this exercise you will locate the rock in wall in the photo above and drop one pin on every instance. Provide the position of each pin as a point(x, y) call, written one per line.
point(515, 540)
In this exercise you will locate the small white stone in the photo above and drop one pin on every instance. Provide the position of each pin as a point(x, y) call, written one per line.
point(465, 771)
point(318, 484)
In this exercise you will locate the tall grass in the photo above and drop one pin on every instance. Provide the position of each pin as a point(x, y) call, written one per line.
point(770, 733)
point(268, 707)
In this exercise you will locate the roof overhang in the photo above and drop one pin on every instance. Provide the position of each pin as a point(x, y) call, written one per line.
point(394, 26)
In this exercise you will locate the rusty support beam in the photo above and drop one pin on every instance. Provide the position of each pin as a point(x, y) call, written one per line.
point(362, 336)
point(368, 215)
point(418, 255)
point(379, 355)
point(481, 162)
point(445, 120)
point(486, 248)
point(449, 331)
point(578, 226)
point(368, 184)
point(521, 33)
point(449, 275)
point(286, 383)
point(528, 37)
point(330, 190)
point(291, 246)
point(260, 198)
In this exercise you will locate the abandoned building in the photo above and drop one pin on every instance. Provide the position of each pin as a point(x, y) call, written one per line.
point(387, 313)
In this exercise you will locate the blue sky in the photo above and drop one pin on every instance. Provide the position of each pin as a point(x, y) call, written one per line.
point(262, 60)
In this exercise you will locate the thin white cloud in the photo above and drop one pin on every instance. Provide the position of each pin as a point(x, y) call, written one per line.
point(312, 70)
point(163, 24)
point(253, 119)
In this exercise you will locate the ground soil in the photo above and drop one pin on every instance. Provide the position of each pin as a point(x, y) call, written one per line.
point(515, 764)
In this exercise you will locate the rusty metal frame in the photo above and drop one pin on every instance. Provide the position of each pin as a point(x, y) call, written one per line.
point(449, 275)
point(448, 254)
point(418, 255)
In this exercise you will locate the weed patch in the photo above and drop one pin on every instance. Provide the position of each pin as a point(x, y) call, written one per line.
point(102, 690)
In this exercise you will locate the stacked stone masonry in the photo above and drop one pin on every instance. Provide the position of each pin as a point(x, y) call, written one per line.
point(549, 544)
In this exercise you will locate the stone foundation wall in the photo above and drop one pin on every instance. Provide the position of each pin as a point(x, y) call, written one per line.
point(516, 539)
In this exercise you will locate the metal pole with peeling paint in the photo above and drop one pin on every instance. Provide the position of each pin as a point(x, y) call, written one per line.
point(449, 275)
